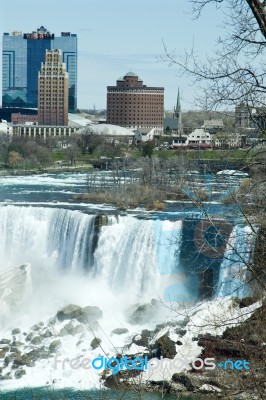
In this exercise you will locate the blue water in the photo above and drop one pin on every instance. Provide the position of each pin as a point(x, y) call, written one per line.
point(67, 394)
point(60, 189)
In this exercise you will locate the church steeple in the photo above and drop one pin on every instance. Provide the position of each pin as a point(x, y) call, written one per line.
point(177, 113)
point(178, 104)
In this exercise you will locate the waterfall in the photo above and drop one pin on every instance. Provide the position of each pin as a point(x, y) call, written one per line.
point(139, 257)
point(233, 278)
point(73, 254)
point(51, 237)
point(134, 256)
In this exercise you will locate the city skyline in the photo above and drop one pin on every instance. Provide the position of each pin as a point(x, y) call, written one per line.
point(23, 54)
point(120, 36)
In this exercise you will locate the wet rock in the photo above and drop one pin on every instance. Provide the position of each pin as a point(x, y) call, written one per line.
point(63, 332)
point(39, 354)
point(120, 331)
point(143, 339)
point(54, 346)
point(47, 334)
point(5, 341)
point(16, 343)
point(21, 360)
point(68, 312)
point(16, 331)
point(3, 352)
point(245, 302)
point(220, 347)
point(69, 327)
point(29, 337)
point(35, 327)
point(184, 380)
point(164, 347)
point(164, 325)
point(113, 381)
point(180, 332)
point(144, 313)
point(85, 314)
point(95, 343)
point(8, 359)
point(6, 376)
point(36, 340)
point(178, 387)
point(89, 314)
point(19, 373)
point(77, 330)
point(15, 350)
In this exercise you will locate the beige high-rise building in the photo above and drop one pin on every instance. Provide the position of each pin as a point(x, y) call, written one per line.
point(53, 90)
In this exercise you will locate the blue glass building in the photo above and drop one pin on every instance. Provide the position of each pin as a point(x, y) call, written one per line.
point(22, 58)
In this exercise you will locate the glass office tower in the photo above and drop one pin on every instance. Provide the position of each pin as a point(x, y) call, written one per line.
point(22, 58)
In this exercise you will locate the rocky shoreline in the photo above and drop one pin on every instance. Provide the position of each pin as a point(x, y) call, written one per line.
point(22, 351)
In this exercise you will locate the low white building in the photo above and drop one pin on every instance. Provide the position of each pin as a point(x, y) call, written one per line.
point(199, 136)
point(5, 127)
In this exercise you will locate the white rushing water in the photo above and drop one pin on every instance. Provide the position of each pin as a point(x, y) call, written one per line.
point(234, 268)
point(116, 266)
point(129, 261)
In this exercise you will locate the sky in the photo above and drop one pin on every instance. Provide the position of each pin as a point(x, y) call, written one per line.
point(118, 36)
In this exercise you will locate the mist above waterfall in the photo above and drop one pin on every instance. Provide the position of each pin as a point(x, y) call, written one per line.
point(114, 265)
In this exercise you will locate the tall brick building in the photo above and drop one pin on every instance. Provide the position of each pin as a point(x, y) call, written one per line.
point(53, 90)
point(134, 105)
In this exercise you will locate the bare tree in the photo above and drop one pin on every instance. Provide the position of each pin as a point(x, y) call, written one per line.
point(236, 72)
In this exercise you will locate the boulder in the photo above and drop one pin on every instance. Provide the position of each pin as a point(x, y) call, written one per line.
point(69, 327)
point(68, 312)
point(183, 380)
point(39, 354)
point(36, 340)
point(89, 314)
point(5, 341)
point(16, 343)
point(19, 373)
point(142, 339)
point(120, 331)
point(78, 329)
point(85, 314)
point(47, 334)
point(3, 352)
point(181, 332)
point(6, 376)
point(95, 343)
point(164, 347)
point(23, 359)
point(16, 331)
point(29, 337)
point(15, 350)
point(142, 314)
point(54, 346)
point(63, 332)
point(8, 359)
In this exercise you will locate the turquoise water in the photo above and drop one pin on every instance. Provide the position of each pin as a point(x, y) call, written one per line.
point(67, 394)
